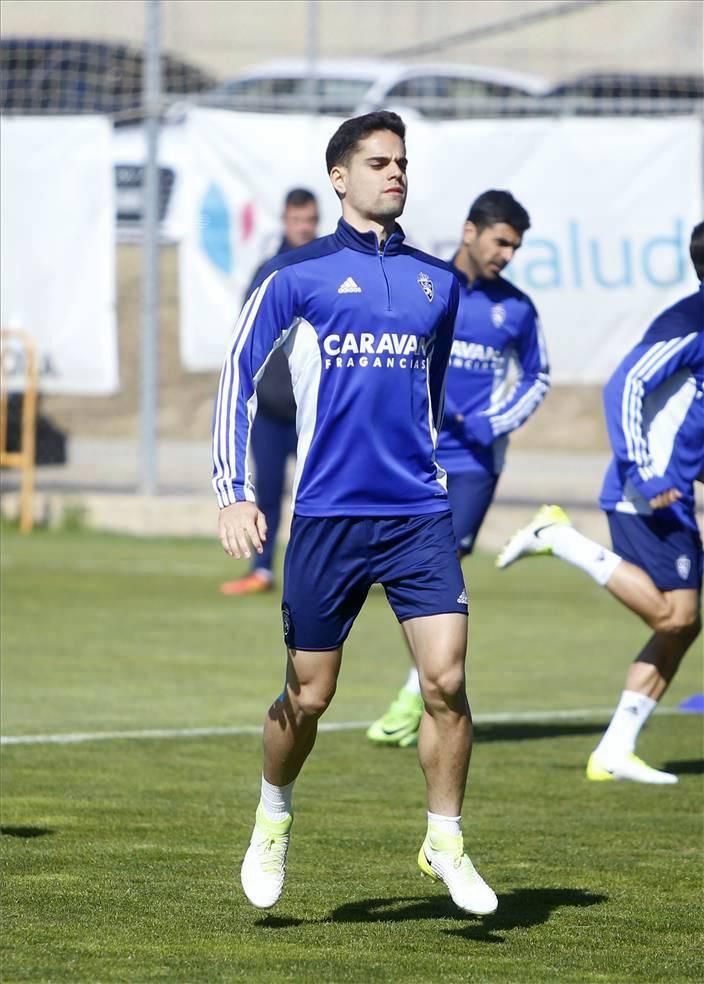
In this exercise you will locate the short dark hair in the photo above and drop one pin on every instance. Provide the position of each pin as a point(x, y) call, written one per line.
point(346, 138)
point(298, 197)
point(696, 249)
point(498, 206)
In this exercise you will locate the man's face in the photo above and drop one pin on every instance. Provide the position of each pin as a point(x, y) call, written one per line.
point(491, 248)
point(373, 185)
point(301, 224)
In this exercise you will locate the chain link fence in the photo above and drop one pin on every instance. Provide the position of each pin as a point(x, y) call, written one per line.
point(69, 76)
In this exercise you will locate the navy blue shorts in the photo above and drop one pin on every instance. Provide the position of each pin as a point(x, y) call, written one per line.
point(470, 495)
point(331, 563)
point(670, 552)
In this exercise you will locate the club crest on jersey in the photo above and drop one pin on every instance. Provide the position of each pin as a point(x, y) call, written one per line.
point(498, 315)
point(684, 566)
point(427, 285)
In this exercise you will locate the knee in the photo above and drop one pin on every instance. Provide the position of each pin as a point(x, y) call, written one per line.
point(312, 700)
point(683, 623)
point(444, 687)
point(693, 626)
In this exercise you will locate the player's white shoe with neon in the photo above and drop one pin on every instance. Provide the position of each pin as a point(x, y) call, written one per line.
point(527, 541)
point(442, 858)
point(628, 767)
point(264, 866)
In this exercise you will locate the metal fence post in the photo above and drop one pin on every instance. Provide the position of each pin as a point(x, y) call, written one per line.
point(312, 33)
point(149, 376)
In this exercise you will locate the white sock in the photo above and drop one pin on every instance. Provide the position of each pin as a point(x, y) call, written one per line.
point(632, 712)
point(570, 545)
point(276, 800)
point(412, 684)
point(448, 825)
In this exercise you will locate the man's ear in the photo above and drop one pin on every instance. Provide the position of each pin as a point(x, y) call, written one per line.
point(338, 177)
point(469, 233)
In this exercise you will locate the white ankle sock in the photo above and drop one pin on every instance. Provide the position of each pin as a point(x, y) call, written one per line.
point(448, 825)
point(277, 800)
point(412, 684)
point(570, 545)
point(632, 712)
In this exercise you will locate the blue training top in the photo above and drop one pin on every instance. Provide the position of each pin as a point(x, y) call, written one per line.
point(498, 376)
point(367, 333)
point(654, 405)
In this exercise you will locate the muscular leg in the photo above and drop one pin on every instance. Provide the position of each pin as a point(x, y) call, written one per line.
point(470, 495)
point(674, 615)
point(438, 644)
point(291, 725)
point(663, 611)
point(289, 735)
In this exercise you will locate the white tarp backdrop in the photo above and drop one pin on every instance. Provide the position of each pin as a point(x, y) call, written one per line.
point(612, 204)
point(58, 248)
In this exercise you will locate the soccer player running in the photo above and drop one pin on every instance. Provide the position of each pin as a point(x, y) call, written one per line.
point(274, 429)
point(498, 376)
point(366, 323)
point(654, 405)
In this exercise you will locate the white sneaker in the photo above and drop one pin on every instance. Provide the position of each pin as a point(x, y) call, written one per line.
point(442, 858)
point(527, 540)
point(627, 767)
point(264, 866)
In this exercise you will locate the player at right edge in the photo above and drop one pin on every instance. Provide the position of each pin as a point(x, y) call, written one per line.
point(654, 405)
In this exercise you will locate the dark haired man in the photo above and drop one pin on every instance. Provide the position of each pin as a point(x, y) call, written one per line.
point(498, 377)
point(366, 323)
point(654, 407)
point(274, 428)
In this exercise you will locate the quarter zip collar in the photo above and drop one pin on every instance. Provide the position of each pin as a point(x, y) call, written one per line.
point(367, 242)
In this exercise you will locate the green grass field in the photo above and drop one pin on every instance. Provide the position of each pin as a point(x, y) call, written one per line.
point(121, 857)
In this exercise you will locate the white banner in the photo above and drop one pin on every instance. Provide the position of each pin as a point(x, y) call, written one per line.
point(612, 203)
point(58, 249)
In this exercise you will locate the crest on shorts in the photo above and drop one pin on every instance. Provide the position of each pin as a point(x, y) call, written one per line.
point(498, 315)
point(684, 566)
point(427, 285)
point(286, 619)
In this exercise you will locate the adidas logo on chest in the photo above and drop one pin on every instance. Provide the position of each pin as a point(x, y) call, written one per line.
point(349, 287)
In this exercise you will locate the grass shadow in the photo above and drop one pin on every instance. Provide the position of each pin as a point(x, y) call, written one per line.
point(283, 922)
point(520, 908)
point(526, 907)
point(396, 910)
point(686, 767)
point(525, 731)
point(26, 832)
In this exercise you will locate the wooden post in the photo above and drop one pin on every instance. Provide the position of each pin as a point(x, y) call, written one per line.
point(24, 457)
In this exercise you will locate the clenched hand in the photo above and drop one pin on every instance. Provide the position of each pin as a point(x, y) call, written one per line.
point(239, 525)
point(665, 499)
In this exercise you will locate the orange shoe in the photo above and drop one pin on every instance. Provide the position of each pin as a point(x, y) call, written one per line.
point(253, 583)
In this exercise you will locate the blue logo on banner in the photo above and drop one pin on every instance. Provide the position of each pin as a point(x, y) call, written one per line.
point(215, 229)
